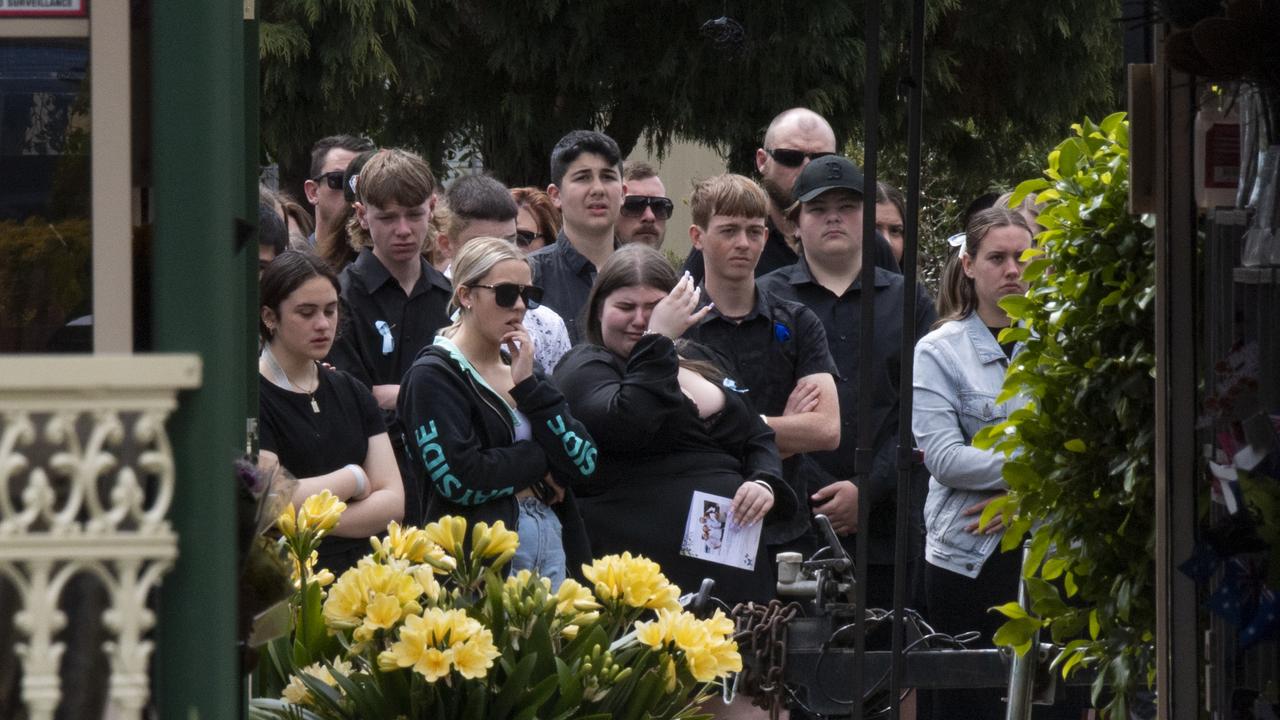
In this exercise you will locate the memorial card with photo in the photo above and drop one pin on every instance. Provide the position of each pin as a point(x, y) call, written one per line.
point(711, 533)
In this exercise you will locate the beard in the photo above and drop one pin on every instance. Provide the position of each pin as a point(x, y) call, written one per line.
point(780, 197)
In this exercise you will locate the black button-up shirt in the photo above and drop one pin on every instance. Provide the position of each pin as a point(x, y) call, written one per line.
point(565, 276)
point(841, 317)
point(373, 299)
point(770, 349)
point(778, 254)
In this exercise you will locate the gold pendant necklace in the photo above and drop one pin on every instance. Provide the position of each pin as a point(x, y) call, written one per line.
point(287, 383)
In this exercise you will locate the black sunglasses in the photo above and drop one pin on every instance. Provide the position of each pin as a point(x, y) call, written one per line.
point(633, 206)
point(505, 294)
point(333, 179)
point(525, 238)
point(787, 157)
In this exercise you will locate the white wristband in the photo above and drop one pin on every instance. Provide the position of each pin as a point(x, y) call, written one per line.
point(764, 484)
point(362, 481)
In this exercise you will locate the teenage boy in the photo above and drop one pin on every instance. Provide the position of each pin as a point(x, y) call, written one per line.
point(586, 184)
point(777, 348)
point(827, 280)
point(393, 301)
point(480, 206)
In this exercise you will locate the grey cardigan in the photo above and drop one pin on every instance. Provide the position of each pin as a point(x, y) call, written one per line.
point(959, 369)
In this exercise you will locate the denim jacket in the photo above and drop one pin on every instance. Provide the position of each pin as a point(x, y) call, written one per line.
point(959, 369)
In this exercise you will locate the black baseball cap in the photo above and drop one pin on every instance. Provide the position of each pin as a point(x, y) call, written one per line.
point(351, 176)
point(830, 172)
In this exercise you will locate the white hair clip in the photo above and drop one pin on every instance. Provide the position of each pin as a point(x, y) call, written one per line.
point(958, 241)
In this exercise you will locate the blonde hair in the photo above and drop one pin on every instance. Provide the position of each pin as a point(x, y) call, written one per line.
point(476, 259)
point(391, 175)
point(727, 194)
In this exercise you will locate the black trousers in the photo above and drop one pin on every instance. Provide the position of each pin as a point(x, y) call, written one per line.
point(959, 604)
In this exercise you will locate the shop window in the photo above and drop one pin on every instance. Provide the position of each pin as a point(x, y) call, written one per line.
point(45, 236)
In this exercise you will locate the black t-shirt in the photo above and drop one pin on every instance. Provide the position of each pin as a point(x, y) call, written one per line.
point(310, 443)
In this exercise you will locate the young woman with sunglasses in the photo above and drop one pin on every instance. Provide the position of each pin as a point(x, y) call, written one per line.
point(538, 222)
point(492, 439)
point(668, 426)
point(321, 425)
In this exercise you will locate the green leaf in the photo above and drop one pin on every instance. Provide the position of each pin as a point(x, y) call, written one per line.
point(1011, 610)
point(1025, 188)
point(1017, 306)
point(571, 691)
point(1017, 633)
point(1039, 547)
point(993, 508)
point(513, 688)
point(1054, 566)
point(1075, 445)
point(532, 701)
point(1019, 474)
point(1036, 269)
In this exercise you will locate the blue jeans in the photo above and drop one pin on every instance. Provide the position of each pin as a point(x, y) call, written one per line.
point(541, 550)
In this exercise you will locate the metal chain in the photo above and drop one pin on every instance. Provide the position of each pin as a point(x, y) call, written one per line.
point(761, 634)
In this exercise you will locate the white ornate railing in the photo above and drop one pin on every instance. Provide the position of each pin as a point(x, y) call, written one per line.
point(86, 480)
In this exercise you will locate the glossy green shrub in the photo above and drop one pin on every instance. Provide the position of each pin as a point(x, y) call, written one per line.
point(1080, 471)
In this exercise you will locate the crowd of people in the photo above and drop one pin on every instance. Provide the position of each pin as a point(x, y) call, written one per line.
point(529, 356)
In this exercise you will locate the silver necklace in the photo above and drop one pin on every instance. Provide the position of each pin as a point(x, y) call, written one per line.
point(282, 378)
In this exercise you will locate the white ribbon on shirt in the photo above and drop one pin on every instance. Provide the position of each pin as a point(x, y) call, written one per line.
point(388, 342)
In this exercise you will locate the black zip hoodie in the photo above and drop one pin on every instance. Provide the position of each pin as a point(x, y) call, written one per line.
point(460, 435)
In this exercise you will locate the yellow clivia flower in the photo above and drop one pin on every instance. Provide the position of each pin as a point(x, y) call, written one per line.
point(383, 612)
point(728, 659)
point(573, 598)
point(670, 674)
point(298, 694)
point(702, 664)
point(426, 579)
point(637, 582)
point(320, 512)
point(689, 633)
point(437, 640)
point(474, 657)
point(286, 522)
point(491, 542)
point(448, 532)
point(349, 598)
point(652, 633)
point(434, 663)
point(720, 625)
point(408, 543)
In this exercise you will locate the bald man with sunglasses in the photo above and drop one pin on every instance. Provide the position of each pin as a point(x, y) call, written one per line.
point(793, 139)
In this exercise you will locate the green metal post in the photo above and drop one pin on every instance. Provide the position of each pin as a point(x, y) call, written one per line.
point(252, 155)
point(199, 300)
